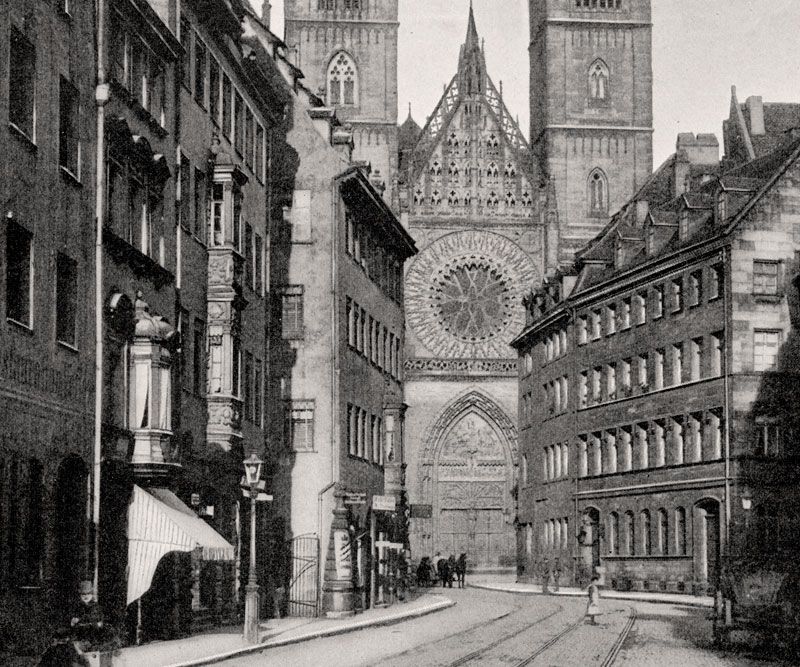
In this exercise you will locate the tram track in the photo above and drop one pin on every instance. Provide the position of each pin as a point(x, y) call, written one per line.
point(480, 655)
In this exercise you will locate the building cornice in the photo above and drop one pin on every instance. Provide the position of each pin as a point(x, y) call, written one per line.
point(344, 21)
point(614, 128)
point(606, 23)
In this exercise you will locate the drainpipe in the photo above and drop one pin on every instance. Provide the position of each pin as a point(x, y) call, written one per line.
point(726, 387)
point(102, 94)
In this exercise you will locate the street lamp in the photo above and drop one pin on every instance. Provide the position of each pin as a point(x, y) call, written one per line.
point(252, 471)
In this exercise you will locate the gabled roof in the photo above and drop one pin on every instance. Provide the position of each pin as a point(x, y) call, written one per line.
point(470, 82)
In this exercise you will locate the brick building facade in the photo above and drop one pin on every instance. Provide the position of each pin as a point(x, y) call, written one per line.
point(654, 441)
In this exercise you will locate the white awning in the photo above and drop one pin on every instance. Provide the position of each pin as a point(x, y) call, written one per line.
point(158, 523)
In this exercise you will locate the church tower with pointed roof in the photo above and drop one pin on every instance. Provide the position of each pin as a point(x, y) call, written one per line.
point(472, 198)
point(347, 51)
point(591, 101)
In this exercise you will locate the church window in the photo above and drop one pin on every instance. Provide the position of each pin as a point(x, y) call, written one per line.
point(509, 171)
point(467, 199)
point(342, 81)
point(492, 200)
point(492, 171)
point(598, 193)
point(453, 170)
point(598, 81)
point(326, 5)
point(436, 198)
point(526, 199)
point(510, 200)
point(419, 195)
point(452, 198)
point(436, 168)
point(452, 140)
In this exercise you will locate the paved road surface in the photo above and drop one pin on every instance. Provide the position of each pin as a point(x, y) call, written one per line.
point(488, 628)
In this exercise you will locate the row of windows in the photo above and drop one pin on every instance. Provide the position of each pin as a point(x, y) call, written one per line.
point(556, 395)
point(453, 171)
point(330, 5)
point(364, 246)
point(22, 109)
point(213, 90)
point(555, 345)
point(686, 361)
point(555, 461)
point(299, 424)
point(136, 68)
point(20, 285)
point(658, 540)
point(598, 4)
point(372, 340)
point(632, 310)
point(675, 440)
point(135, 202)
point(555, 533)
point(364, 435)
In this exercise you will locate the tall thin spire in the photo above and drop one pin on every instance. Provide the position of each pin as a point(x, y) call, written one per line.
point(472, 40)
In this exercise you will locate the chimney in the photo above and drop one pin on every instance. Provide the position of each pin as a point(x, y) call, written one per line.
point(642, 209)
point(755, 109)
point(702, 150)
point(266, 13)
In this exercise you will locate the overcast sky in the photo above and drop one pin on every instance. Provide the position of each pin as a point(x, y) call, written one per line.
point(700, 48)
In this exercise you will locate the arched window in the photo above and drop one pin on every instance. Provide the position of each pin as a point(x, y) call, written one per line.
point(342, 81)
point(680, 531)
point(647, 544)
point(598, 193)
point(663, 532)
point(613, 534)
point(630, 534)
point(598, 81)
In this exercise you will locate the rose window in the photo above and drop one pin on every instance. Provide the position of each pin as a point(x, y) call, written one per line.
point(472, 301)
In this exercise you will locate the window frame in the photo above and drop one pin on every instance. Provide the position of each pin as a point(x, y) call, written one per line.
point(26, 77)
point(71, 265)
point(69, 135)
point(26, 235)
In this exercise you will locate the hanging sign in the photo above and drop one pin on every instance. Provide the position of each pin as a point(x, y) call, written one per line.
point(384, 503)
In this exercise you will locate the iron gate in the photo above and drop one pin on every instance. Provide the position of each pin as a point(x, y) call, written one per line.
point(304, 581)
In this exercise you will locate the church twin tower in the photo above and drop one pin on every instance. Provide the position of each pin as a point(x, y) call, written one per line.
point(492, 213)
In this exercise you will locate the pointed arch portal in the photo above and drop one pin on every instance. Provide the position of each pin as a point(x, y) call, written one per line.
point(467, 478)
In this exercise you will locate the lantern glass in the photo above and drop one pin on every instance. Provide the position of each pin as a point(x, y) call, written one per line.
point(252, 469)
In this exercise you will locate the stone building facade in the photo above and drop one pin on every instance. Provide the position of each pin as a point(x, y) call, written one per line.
point(47, 179)
point(347, 51)
point(591, 107)
point(336, 350)
point(654, 439)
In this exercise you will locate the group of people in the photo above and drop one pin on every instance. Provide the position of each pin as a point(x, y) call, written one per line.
point(445, 570)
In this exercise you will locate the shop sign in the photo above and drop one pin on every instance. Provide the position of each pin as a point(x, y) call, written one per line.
point(419, 511)
point(384, 503)
point(355, 499)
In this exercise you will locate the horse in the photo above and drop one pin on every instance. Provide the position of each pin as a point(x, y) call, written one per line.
point(461, 570)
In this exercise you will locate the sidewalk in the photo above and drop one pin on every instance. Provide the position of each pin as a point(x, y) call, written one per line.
point(641, 596)
point(209, 648)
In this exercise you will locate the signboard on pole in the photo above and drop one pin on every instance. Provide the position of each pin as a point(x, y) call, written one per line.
point(384, 503)
point(419, 511)
point(355, 499)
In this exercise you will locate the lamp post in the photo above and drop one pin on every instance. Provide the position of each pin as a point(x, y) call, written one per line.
point(252, 469)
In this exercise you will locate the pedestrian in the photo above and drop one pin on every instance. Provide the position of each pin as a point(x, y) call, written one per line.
point(441, 567)
point(593, 608)
point(423, 572)
point(556, 575)
point(451, 570)
point(86, 620)
point(544, 575)
point(461, 570)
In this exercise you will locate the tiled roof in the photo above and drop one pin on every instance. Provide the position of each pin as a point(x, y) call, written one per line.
point(778, 117)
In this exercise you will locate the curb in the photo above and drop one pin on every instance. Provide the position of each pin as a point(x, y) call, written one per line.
point(318, 634)
point(608, 595)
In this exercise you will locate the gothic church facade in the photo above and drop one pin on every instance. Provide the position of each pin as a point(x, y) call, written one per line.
point(491, 215)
